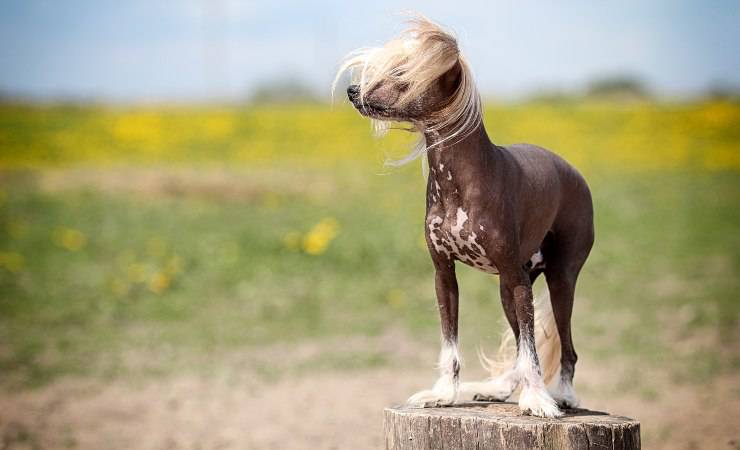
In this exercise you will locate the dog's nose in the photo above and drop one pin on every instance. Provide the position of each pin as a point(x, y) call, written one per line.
point(353, 91)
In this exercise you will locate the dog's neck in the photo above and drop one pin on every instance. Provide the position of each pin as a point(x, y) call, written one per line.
point(465, 156)
point(459, 170)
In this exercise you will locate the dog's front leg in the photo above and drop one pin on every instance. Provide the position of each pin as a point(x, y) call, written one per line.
point(534, 397)
point(444, 391)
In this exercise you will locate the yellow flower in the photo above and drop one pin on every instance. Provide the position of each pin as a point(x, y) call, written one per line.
point(70, 239)
point(159, 282)
point(141, 128)
point(11, 261)
point(218, 126)
point(317, 240)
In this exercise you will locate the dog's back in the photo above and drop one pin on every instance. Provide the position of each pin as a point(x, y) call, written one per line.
point(547, 194)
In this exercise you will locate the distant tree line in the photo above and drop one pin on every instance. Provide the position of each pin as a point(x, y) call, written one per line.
point(619, 87)
point(286, 90)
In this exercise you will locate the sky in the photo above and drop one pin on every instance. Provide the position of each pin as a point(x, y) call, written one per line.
point(200, 50)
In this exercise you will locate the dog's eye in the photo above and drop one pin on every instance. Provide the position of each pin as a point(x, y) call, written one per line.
point(396, 77)
point(397, 74)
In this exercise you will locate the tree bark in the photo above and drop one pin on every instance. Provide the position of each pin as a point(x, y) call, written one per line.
point(494, 426)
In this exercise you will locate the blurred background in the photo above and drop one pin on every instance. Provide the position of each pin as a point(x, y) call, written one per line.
point(198, 250)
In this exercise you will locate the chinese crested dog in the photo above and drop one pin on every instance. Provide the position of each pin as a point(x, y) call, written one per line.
point(517, 211)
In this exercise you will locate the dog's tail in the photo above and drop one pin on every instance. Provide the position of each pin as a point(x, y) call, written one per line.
point(546, 337)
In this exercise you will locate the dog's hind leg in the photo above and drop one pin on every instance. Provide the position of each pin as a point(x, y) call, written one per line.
point(570, 254)
point(516, 295)
point(562, 289)
point(445, 390)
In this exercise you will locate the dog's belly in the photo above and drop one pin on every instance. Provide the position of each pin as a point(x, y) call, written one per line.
point(460, 241)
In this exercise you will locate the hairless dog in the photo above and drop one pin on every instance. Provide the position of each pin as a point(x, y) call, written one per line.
point(517, 211)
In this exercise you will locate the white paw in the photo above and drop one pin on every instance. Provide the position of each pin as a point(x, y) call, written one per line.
point(565, 396)
point(444, 393)
point(493, 390)
point(537, 402)
point(429, 399)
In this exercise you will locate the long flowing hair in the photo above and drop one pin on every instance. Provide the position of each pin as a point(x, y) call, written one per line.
point(417, 58)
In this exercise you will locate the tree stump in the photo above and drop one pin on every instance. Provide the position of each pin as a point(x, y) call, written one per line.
point(489, 426)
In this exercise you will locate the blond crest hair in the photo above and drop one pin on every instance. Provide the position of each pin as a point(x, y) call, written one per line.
point(418, 57)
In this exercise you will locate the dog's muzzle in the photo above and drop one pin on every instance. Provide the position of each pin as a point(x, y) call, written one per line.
point(353, 92)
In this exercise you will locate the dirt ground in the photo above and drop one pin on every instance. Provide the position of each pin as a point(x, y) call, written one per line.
point(325, 410)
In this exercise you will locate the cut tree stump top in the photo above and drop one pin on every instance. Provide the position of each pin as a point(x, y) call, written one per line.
point(489, 426)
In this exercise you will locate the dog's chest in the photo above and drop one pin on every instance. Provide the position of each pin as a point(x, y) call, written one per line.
point(454, 235)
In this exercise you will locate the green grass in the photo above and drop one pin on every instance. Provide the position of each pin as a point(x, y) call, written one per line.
point(150, 240)
point(663, 271)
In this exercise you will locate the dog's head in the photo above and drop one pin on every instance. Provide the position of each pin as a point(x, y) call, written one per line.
point(419, 77)
point(389, 98)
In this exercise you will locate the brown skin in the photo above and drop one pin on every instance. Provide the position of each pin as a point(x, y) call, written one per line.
point(524, 197)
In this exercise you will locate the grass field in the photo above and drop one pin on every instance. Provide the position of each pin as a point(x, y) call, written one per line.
point(146, 243)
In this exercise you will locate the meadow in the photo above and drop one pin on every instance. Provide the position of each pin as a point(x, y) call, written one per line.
point(143, 243)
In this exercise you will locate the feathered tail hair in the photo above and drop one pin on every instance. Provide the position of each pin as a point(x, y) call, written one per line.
point(417, 58)
point(546, 337)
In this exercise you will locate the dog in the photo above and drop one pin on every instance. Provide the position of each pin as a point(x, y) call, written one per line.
point(517, 211)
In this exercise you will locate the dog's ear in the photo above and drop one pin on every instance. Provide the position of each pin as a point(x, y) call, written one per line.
point(451, 79)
